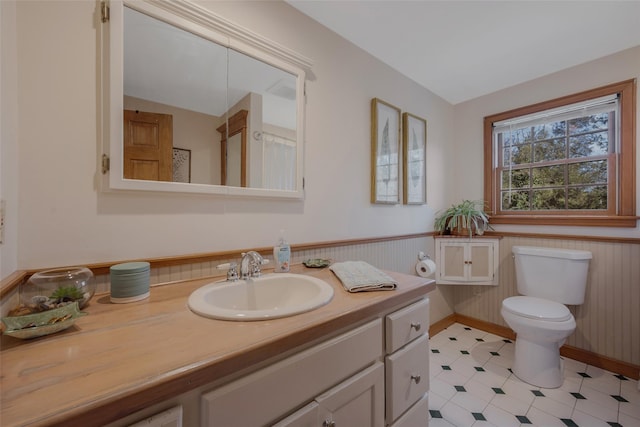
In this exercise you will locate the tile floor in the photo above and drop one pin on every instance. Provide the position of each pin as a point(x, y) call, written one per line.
point(472, 385)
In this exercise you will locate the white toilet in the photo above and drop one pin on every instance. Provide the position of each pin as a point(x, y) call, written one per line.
point(548, 278)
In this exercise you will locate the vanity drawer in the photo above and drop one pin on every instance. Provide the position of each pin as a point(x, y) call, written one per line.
point(407, 376)
point(406, 324)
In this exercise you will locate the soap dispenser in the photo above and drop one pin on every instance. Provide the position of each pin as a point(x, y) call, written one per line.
point(282, 254)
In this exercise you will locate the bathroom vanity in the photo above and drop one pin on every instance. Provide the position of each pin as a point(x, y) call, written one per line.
point(361, 357)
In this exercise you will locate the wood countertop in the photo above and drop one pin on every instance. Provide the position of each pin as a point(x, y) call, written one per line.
point(122, 358)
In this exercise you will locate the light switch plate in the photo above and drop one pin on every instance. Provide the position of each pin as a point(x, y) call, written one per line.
point(2, 213)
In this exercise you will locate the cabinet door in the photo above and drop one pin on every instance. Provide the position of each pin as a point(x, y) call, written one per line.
point(305, 417)
point(418, 415)
point(453, 258)
point(480, 262)
point(358, 401)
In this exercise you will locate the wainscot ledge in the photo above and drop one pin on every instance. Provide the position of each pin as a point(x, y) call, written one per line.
point(122, 358)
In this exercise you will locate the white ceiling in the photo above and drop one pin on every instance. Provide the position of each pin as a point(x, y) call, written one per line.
point(461, 50)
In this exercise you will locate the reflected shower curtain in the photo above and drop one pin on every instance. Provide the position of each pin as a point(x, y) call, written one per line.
point(279, 169)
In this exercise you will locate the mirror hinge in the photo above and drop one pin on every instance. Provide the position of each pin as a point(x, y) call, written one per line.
point(104, 9)
point(106, 164)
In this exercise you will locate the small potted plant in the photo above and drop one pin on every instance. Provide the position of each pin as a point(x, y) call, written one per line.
point(464, 218)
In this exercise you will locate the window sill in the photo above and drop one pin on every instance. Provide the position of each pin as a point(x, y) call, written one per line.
point(567, 220)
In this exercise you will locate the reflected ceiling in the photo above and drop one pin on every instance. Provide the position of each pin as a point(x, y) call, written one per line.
point(201, 86)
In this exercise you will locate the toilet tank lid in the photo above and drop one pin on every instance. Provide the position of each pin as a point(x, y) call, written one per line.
point(551, 252)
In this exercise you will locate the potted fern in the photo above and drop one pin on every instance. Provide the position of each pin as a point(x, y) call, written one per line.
point(467, 217)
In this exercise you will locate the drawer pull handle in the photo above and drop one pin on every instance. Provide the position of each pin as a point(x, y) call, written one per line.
point(328, 423)
point(416, 378)
point(416, 326)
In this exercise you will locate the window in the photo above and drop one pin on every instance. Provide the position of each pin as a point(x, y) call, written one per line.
point(569, 161)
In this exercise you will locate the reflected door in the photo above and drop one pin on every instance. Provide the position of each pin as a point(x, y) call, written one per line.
point(233, 150)
point(148, 146)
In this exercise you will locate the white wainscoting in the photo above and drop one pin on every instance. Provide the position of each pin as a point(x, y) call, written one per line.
point(608, 323)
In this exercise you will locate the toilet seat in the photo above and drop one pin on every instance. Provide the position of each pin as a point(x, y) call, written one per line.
point(537, 308)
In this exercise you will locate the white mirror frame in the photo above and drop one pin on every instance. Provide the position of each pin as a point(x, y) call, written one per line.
point(208, 25)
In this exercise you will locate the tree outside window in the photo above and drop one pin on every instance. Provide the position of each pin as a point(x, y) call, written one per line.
point(565, 161)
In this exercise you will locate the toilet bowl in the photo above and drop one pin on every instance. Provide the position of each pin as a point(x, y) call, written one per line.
point(542, 326)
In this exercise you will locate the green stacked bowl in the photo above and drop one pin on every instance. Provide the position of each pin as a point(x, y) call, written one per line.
point(130, 282)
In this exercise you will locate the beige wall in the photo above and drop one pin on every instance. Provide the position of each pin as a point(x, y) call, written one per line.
point(8, 137)
point(63, 219)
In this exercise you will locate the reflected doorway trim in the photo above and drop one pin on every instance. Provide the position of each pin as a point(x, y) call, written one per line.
point(237, 124)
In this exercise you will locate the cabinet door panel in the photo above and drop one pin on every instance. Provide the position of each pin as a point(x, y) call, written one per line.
point(481, 256)
point(305, 417)
point(359, 401)
point(418, 415)
point(453, 267)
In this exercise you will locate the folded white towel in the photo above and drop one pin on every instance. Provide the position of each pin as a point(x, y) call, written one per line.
point(359, 276)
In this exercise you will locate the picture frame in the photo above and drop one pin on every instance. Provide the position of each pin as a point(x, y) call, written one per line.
point(386, 129)
point(181, 165)
point(414, 142)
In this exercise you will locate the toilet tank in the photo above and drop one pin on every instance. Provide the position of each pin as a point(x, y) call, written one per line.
point(552, 273)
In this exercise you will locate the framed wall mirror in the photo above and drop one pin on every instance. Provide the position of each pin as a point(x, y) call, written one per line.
point(179, 76)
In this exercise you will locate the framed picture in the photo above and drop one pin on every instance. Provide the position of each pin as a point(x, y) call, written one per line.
point(385, 152)
point(414, 142)
point(181, 165)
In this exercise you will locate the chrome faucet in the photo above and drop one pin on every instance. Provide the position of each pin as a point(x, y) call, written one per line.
point(250, 265)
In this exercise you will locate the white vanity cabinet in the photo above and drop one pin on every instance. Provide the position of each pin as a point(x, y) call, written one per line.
point(351, 360)
point(463, 261)
point(374, 375)
point(407, 365)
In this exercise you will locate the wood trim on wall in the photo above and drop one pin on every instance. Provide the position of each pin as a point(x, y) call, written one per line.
point(14, 279)
point(629, 370)
point(607, 239)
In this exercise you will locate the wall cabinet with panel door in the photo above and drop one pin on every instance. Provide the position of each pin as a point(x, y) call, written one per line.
point(462, 261)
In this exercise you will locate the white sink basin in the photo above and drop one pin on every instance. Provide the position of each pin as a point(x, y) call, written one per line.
point(267, 297)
